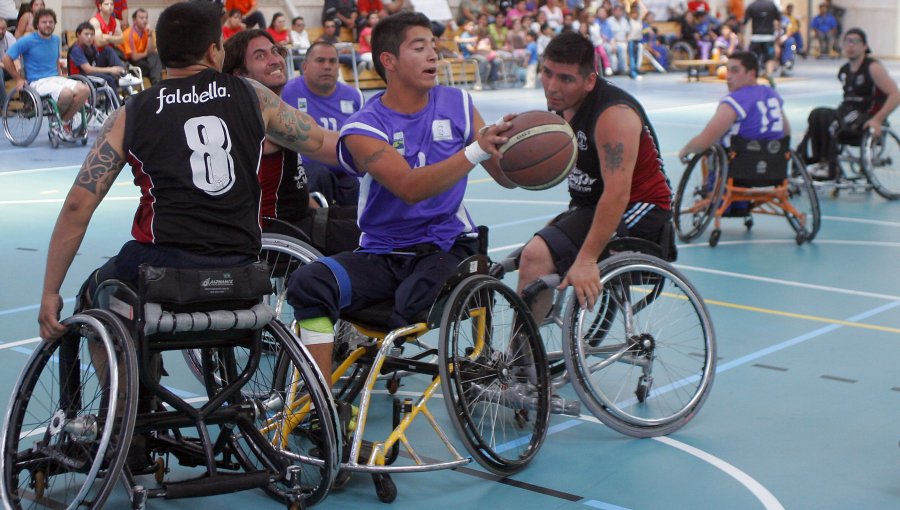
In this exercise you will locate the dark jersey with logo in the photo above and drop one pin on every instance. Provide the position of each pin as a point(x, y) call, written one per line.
point(194, 145)
point(860, 92)
point(284, 192)
point(762, 14)
point(648, 183)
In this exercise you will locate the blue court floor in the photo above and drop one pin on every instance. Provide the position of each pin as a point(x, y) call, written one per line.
point(805, 409)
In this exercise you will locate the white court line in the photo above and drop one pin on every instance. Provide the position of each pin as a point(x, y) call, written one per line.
point(530, 202)
point(20, 342)
point(862, 220)
point(61, 200)
point(35, 170)
point(789, 283)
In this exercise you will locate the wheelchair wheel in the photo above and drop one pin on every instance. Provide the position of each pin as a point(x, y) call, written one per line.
point(699, 193)
point(494, 374)
point(295, 415)
point(102, 100)
point(681, 51)
point(648, 369)
point(22, 116)
point(881, 163)
point(803, 197)
point(69, 424)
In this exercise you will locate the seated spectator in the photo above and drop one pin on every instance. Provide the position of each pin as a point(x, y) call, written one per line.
point(278, 29)
point(554, 14)
point(652, 42)
point(120, 11)
point(86, 58)
point(27, 11)
point(139, 47)
point(233, 24)
point(40, 52)
point(6, 40)
point(107, 29)
point(299, 40)
point(343, 12)
point(366, 7)
point(727, 42)
point(792, 35)
point(330, 36)
point(467, 41)
point(364, 43)
point(825, 29)
point(250, 15)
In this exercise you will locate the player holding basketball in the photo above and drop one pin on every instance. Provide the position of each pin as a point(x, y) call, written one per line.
point(617, 186)
point(412, 146)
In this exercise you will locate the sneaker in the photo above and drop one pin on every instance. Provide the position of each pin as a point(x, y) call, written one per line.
point(820, 172)
point(129, 80)
point(608, 71)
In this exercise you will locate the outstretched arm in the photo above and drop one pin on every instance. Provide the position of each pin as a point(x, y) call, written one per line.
point(97, 174)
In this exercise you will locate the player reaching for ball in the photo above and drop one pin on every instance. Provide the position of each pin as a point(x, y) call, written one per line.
point(412, 147)
point(617, 186)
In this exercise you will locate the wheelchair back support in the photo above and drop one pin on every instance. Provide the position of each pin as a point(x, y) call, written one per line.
point(758, 163)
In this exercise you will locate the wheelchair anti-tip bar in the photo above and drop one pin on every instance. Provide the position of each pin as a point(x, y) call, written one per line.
point(158, 321)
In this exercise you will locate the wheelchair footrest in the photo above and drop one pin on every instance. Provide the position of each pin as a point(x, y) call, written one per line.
point(220, 483)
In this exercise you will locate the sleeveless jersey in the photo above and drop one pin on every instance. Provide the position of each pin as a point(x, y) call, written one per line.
point(107, 28)
point(441, 129)
point(648, 183)
point(760, 114)
point(284, 192)
point(860, 92)
point(330, 112)
point(194, 146)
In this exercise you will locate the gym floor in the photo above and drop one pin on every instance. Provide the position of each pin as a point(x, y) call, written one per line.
point(805, 409)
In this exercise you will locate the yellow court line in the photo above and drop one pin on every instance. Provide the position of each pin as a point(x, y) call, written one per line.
point(802, 316)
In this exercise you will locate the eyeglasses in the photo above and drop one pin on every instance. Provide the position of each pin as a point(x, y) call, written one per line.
point(853, 40)
point(329, 26)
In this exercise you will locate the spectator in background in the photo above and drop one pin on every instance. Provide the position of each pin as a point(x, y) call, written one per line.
point(727, 42)
point(330, 36)
point(365, 41)
point(469, 11)
point(554, 14)
point(299, 40)
point(343, 12)
point(366, 7)
point(467, 41)
point(250, 15)
point(825, 30)
point(26, 19)
point(107, 29)
point(87, 59)
point(120, 11)
point(278, 29)
point(762, 16)
point(792, 35)
point(652, 43)
point(518, 11)
point(532, 60)
point(8, 11)
point(635, 38)
point(139, 47)
point(233, 24)
point(6, 40)
point(619, 24)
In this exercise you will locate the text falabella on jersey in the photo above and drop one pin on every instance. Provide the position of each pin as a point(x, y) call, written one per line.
point(213, 91)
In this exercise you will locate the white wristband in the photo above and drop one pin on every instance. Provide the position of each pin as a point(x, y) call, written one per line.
point(475, 154)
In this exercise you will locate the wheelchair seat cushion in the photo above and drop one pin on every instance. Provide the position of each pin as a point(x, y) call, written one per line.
point(185, 286)
point(758, 163)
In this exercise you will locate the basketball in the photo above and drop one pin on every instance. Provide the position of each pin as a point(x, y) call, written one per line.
point(540, 152)
point(722, 72)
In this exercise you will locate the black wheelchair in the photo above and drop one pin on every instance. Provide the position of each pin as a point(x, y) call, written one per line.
point(90, 409)
point(643, 360)
point(865, 162)
point(763, 177)
point(477, 345)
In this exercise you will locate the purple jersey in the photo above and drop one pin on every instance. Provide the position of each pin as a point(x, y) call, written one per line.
point(760, 114)
point(329, 112)
point(439, 130)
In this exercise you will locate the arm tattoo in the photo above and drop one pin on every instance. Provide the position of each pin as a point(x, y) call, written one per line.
point(102, 164)
point(371, 159)
point(291, 126)
point(612, 160)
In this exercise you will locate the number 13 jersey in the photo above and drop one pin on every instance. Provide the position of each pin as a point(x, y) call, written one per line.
point(194, 145)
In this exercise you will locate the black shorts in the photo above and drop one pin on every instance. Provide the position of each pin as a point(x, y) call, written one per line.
point(764, 51)
point(566, 233)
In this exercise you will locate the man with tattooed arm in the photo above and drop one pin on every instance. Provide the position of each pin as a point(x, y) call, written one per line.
point(193, 142)
point(617, 187)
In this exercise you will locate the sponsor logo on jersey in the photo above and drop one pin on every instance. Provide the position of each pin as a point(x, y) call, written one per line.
point(346, 106)
point(213, 91)
point(301, 104)
point(582, 140)
point(580, 181)
point(440, 130)
point(399, 143)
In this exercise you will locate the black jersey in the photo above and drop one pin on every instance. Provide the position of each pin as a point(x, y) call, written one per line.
point(194, 145)
point(285, 194)
point(648, 183)
point(860, 92)
point(762, 14)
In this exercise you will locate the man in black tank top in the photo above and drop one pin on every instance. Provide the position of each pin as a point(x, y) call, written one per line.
point(193, 142)
point(285, 192)
point(617, 186)
point(870, 96)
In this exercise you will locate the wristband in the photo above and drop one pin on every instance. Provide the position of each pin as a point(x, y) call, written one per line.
point(475, 154)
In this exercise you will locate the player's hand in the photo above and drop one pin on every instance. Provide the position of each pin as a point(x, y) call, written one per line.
point(490, 136)
point(48, 317)
point(20, 84)
point(584, 277)
point(684, 156)
point(874, 126)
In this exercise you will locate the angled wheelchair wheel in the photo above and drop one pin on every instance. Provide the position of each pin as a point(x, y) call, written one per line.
point(102, 100)
point(643, 361)
point(22, 116)
point(802, 195)
point(295, 415)
point(681, 51)
point(69, 426)
point(494, 374)
point(881, 163)
point(699, 193)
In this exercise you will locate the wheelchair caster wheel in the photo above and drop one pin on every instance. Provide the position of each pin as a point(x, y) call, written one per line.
point(384, 488)
point(54, 141)
point(801, 237)
point(714, 237)
point(296, 505)
point(40, 483)
point(748, 223)
point(521, 419)
point(160, 472)
point(643, 389)
point(393, 385)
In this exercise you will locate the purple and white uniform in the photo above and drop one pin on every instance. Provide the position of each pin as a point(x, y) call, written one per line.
point(760, 114)
point(431, 135)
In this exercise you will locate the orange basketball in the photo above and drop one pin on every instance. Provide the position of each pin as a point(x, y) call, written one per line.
point(540, 152)
point(722, 72)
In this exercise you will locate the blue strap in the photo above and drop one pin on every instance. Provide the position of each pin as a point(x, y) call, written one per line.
point(343, 280)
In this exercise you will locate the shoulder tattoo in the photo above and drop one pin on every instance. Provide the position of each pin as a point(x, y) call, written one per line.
point(613, 156)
